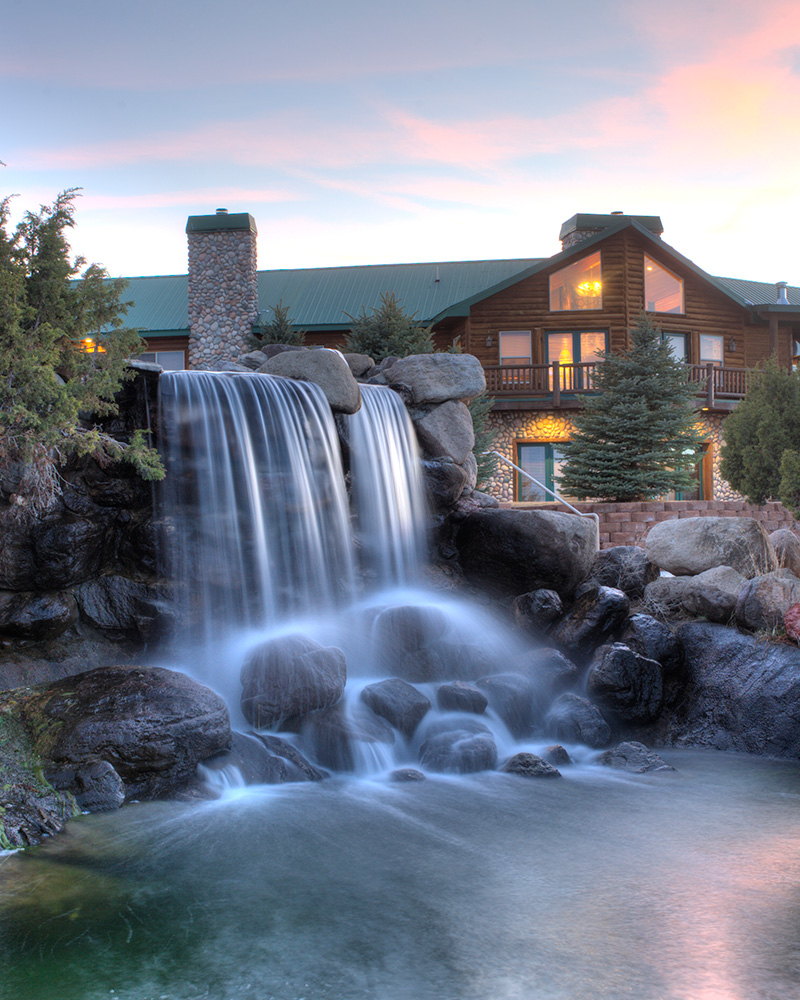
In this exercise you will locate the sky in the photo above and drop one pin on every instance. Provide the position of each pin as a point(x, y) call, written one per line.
point(422, 130)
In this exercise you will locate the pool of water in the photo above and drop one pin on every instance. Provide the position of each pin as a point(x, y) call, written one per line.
point(670, 886)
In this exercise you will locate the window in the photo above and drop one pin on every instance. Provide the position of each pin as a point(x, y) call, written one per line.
point(677, 345)
point(572, 348)
point(170, 361)
point(515, 347)
point(579, 286)
point(711, 347)
point(663, 290)
point(543, 462)
point(702, 475)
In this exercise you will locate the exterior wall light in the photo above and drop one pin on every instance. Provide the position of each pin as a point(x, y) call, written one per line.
point(732, 344)
point(489, 340)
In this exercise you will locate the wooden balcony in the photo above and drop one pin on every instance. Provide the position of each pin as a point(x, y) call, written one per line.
point(560, 386)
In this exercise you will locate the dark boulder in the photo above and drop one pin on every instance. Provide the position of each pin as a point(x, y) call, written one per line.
point(459, 696)
point(634, 758)
point(406, 774)
point(625, 684)
point(512, 552)
point(740, 693)
point(528, 765)
point(258, 763)
point(117, 604)
point(463, 748)
point(398, 702)
point(69, 550)
point(576, 720)
point(651, 638)
point(288, 677)
point(36, 616)
point(515, 699)
point(550, 670)
point(536, 610)
point(407, 640)
point(298, 766)
point(341, 740)
point(152, 725)
point(443, 482)
point(556, 755)
point(95, 784)
point(624, 567)
point(594, 618)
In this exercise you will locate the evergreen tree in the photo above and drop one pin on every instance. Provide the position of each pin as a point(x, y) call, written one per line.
point(388, 332)
point(762, 427)
point(278, 330)
point(480, 407)
point(63, 351)
point(635, 438)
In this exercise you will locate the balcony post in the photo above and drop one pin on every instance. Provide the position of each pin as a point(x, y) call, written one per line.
point(710, 385)
point(556, 384)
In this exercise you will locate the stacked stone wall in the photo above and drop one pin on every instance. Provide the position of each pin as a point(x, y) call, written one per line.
point(223, 294)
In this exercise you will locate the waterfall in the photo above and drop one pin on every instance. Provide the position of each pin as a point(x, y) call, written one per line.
point(387, 488)
point(257, 519)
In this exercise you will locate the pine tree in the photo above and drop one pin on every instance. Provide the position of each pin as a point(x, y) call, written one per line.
point(63, 351)
point(762, 427)
point(388, 332)
point(279, 330)
point(635, 438)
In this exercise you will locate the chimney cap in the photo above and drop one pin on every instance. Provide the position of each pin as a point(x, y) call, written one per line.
point(223, 220)
point(598, 223)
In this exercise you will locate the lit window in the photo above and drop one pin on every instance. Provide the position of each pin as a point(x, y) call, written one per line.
point(573, 348)
point(90, 346)
point(543, 462)
point(711, 347)
point(663, 290)
point(170, 361)
point(676, 342)
point(579, 286)
point(515, 347)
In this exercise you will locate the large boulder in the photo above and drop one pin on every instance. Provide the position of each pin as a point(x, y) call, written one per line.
point(593, 619)
point(740, 693)
point(624, 567)
point(399, 703)
point(655, 640)
point(447, 430)
point(262, 759)
point(549, 669)
point(327, 369)
point(117, 604)
point(288, 677)
point(710, 595)
point(435, 378)
point(529, 765)
point(634, 758)
point(763, 601)
point(514, 552)
point(444, 482)
point(625, 684)
point(346, 741)
point(459, 746)
point(787, 549)
point(573, 719)
point(692, 545)
point(459, 696)
point(537, 610)
point(515, 699)
point(36, 616)
point(151, 725)
point(406, 639)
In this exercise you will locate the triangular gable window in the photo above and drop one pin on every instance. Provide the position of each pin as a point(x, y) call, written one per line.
point(663, 290)
point(578, 286)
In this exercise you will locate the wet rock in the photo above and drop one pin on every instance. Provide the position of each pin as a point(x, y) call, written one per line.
point(96, 785)
point(626, 684)
point(67, 551)
point(288, 677)
point(260, 764)
point(512, 552)
point(556, 755)
point(634, 758)
point(338, 739)
point(740, 693)
point(36, 616)
point(653, 639)
point(692, 545)
point(464, 748)
point(713, 594)
point(764, 600)
point(576, 720)
point(470, 467)
point(515, 700)
point(446, 430)
point(528, 765)
point(253, 360)
point(443, 482)
point(406, 774)
point(549, 669)
point(399, 703)
point(435, 378)
point(459, 696)
point(624, 567)
point(298, 765)
point(359, 364)
point(537, 610)
point(115, 603)
point(404, 636)
point(787, 549)
point(593, 619)
point(152, 725)
point(327, 369)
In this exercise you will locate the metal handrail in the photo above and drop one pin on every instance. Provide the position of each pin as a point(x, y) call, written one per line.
point(561, 500)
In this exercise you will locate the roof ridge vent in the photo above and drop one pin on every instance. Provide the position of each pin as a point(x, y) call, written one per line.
point(783, 295)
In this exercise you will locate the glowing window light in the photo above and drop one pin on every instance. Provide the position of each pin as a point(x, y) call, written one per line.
point(90, 346)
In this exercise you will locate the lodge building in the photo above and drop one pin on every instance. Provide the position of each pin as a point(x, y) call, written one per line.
point(537, 325)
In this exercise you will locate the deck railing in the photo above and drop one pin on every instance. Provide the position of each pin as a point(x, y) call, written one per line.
point(712, 381)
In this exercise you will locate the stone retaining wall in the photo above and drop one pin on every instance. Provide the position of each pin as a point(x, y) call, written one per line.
point(628, 523)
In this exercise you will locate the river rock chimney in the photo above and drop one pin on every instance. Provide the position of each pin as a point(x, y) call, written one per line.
point(223, 285)
point(582, 226)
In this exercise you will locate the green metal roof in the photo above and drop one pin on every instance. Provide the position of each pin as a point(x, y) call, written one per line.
point(160, 303)
point(760, 292)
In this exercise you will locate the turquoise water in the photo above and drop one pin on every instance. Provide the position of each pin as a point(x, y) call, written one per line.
point(490, 887)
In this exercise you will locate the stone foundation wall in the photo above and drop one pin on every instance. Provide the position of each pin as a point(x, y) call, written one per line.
point(629, 523)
